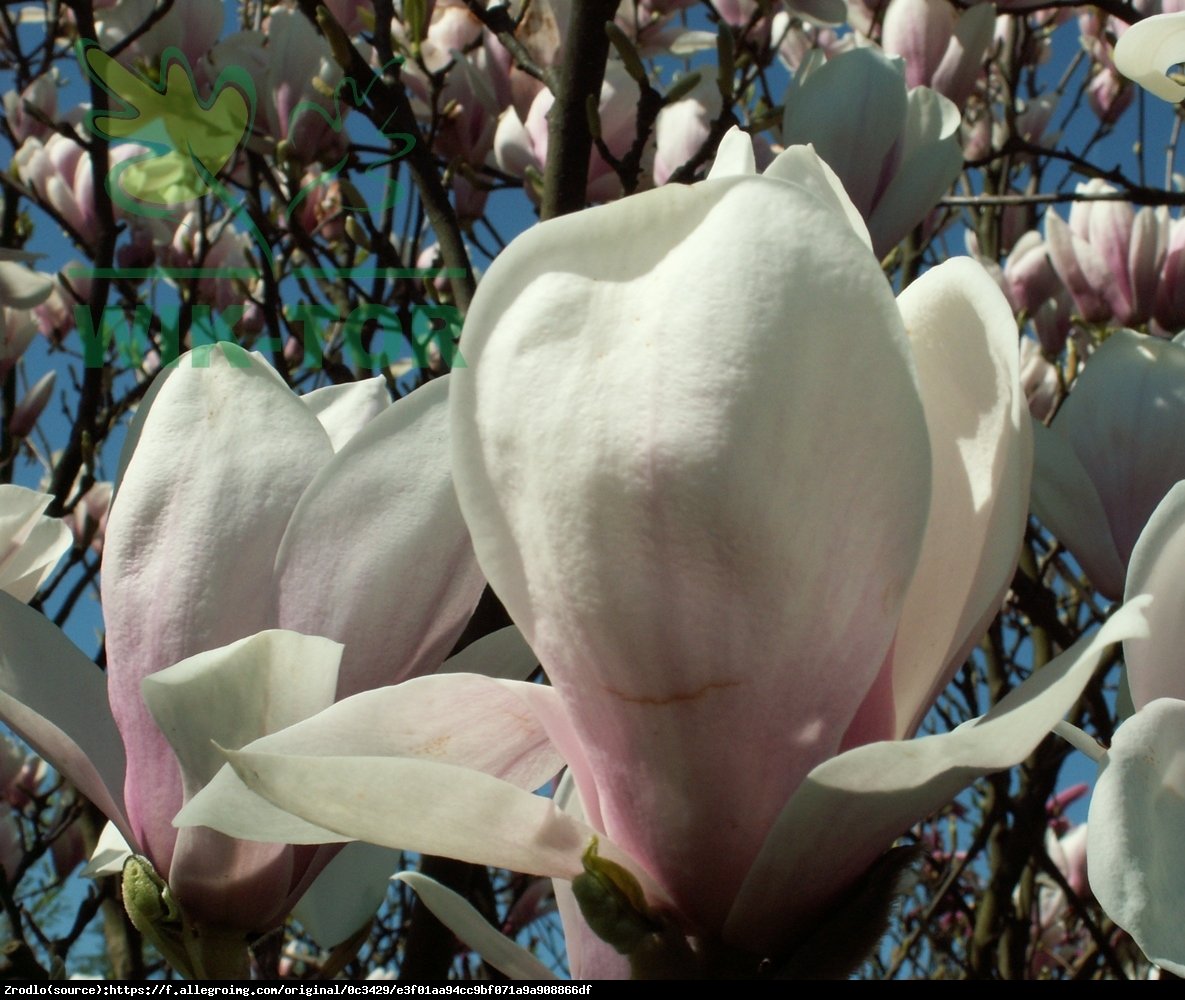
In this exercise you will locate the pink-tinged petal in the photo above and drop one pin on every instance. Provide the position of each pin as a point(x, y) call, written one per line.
point(470, 927)
point(503, 654)
point(1149, 49)
point(682, 129)
point(1137, 813)
point(512, 145)
point(852, 110)
point(347, 894)
point(1125, 419)
point(1154, 663)
point(222, 452)
point(919, 31)
point(1149, 244)
point(956, 75)
point(1068, 504)
point(413, 575)
point(1109, 233)
point(964, 342)
point(55, 699)
point(875, 792)
point(589, 955)
point(345, 409)
point(617, 480)
point(1080, 268)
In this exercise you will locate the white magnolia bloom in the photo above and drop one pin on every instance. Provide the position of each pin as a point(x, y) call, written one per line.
point(750, 511)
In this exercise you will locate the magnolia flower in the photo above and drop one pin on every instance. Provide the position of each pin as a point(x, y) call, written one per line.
point(520, 145)
point(942, 48)
point(229, 524)
point(1109, 256)
point(896, 152)
point(751, 513)
point(1137, 811)
point(1113, 451)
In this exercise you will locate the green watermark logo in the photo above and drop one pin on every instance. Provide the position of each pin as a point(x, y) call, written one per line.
point(187, 142)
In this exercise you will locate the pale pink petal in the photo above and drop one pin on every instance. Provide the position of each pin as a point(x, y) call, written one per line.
point(875, 792)
point(55, 699)
point(414, 580)
point(929, 162)
point(919, 31)
point(1080, 268)
point(617, 481)
point(1125, 419)
point(852, 110)
point(222, 452)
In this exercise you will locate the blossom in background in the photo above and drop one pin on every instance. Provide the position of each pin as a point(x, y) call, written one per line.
point(721, 492)
point(895, 149)
point(1109, 256)
point(1115, 448)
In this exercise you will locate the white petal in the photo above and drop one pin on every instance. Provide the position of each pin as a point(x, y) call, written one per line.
point(628, 492)
point(456, 913)
point(1133, 841)
point(233, 695)
point(875, 792)
point(1149, 49)
point(346, 408)
point(803, 166)
point(1154, 663)
point(1068, 504)
point(734, 156)
point(964, 340)
point(110, 853)
point(504, 654)
point(346, 895)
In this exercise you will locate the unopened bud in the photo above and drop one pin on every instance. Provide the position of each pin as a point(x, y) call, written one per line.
point(29, 409)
